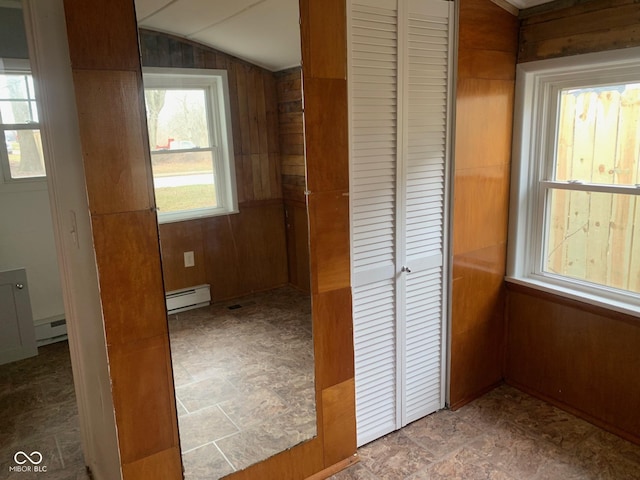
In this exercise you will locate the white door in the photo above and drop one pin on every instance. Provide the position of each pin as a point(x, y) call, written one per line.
point(17, 333)
point(399, 89)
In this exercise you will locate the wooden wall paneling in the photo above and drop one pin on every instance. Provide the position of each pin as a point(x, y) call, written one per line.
point(484, 109)
point(571, 28)
point(297, 225)
point(165, 464)
point(329, 241)
point(327, 26)
point(175, 239)
point(581, 358)
point(246, 252)
point(327, 148)
point(145, 410)
point(115, 183)
point(108, 87)
point(101, 37)
point(333, 340)
point(339, 421)
point(129, 295)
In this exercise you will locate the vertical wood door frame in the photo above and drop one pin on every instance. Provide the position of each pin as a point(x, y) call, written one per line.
point(102, 41)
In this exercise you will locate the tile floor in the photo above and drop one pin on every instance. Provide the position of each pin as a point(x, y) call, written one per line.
point(505, 435)
point(38, 411)
point(244, 380)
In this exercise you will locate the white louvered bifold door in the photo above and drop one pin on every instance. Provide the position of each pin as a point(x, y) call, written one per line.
point(426, 81)
point(373, 110)
point(398, 90)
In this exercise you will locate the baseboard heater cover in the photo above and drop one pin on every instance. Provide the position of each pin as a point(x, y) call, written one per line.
point(188, 298)
point(50, 330)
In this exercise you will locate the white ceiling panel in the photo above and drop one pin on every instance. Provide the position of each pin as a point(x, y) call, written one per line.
point(144, 8)
point(267, 35)
point(190, 16)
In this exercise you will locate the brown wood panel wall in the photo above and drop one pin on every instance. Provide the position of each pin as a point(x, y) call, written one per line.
point(245, 252)
point(323, 28)
point(126, 243)
point(584, 359)
point(290, 121)
point(581, 358)
point(108, 82)
point(572, 27)
point(488, 37)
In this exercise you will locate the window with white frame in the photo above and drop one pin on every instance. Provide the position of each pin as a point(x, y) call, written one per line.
point(21, 157)
point(575, 209)
point(191, 145)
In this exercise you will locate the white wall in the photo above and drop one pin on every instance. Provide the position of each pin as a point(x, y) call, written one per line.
point(26, 241)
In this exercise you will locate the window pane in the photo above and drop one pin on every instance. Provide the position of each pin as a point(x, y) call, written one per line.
point(598, 136)
point(18, 112)
point(594, 237)
point(177, 119)
point(25, 153)
point(13, 87)
point(184, 181)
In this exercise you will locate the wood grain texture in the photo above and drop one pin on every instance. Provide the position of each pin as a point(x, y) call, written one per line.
point(145, 410)
point(245, 253)
point(477, 344)
point(165, 464)
point(480, 224)
point(102, 38)
point(484, 110)
point(325, 24)
point(326, 134)
point(175, 239)
point(484, 25)
point(333, 337)
point(483, 144)
point(339, 422)
point(329, 240)
point(131, 288)
point(579, 28)
point(114, 151)
point(584, 361)
point(297, 224)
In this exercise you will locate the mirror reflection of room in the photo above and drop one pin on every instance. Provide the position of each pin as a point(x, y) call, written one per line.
point(223, 95)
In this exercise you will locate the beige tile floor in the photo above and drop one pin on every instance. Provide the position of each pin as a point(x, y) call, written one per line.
point(505, 435)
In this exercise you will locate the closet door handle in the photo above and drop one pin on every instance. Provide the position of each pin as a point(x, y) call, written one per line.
point(406, 269)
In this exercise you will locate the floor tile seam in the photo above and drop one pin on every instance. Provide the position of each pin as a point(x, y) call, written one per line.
point(230, 419)
point(225, 456)
point(59, 451)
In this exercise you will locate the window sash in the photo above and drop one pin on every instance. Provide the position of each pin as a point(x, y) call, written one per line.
point(538, 87)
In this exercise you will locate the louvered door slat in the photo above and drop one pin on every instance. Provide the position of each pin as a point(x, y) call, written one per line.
point(427, 94)
point(398, 93)
point(373, 107)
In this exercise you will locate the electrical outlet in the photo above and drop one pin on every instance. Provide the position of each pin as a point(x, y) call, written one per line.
point(189, 260)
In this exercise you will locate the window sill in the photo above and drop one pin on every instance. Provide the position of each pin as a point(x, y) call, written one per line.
point(599, 302)
point(189, 216)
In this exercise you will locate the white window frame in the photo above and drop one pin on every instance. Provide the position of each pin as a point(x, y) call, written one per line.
point(215, 82)
point(19, 66)
point(535, 121)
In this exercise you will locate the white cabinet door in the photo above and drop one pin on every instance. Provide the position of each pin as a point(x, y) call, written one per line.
point(399, 90)
point(17, 333)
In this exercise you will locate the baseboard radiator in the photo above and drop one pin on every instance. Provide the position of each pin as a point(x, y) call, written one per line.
point(50, 330)
point(188, 298)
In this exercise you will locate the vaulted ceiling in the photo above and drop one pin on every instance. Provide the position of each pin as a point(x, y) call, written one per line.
point(263, 32)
